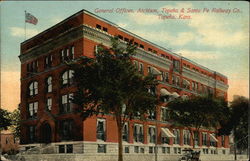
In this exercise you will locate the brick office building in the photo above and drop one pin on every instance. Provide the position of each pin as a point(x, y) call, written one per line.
point(47, 85)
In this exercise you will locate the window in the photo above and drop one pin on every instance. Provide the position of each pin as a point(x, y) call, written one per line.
point(72, 52)
point(136, 64)
point(141, 68)
point(164, 114)
point(152, 90)
point(178, 81)
point(105, 29)
point(67, 78)
point(48, 61)
point(166, 77)
point(193, 86)
point(142, 150)
point(33, 107)
point(126, 149)
point(120, 37)
point(212, 141)
point(149, 49)
point(32, 134)
point(125, 132)
point(101, 129)
point(164, 139)
point(32, 67)
point(141, 46)
point(138, 133)
point(176, 65)
point(151, 134)
point(222, 140)
point(136, 149)
point(154, 51)
point(166, 150)
point(101, 148)
point(151, 149)
point(126, 39)
point(186, 84)
point(186, 137)
point(33, 88)
point(69, 148)
point(196, 86)
point(66, 104)
point(162, 76)
point(67, 53)
point(204, 139)
point(152, 115)
point(49, 104)
point(177, 136)
point(66, 129)
point(7, 141)
point(135, 43)
point(49, 84)
point(196, 138)
point(98, 26)
point(149, 70)
point(173, 80)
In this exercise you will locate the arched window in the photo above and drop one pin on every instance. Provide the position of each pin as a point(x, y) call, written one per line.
point(33, 88)
point(49, 84)
point(67, 77)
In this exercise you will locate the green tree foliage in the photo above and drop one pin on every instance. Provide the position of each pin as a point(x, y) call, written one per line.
point(110, 83)
point(5, 121)
point(198, 112)
point(238, 122)
point(15, 123)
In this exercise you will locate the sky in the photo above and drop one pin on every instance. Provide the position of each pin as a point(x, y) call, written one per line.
point(213, 34)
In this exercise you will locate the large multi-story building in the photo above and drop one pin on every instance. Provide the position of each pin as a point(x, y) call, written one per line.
point(47, 86)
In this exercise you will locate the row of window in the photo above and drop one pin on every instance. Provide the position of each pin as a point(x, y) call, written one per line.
point(176, 80)
point(67, 53)
point(66, 133)
point(138, 135)
point(67, 80)
point(66, 105)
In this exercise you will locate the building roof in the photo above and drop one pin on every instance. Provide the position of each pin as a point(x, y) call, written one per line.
point(126, 31)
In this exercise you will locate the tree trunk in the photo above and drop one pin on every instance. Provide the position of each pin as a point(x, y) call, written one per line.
point(119, 132)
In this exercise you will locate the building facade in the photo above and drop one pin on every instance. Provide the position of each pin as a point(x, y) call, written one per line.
point(47, 86)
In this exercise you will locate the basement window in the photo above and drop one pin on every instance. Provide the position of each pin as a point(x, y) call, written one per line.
point(101, 148)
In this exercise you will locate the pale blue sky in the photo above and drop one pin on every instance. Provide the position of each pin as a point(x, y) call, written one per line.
point(219, 41)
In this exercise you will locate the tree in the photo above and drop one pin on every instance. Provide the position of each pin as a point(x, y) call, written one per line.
point(15, 123)
point(198, 112)
point(5, 121)
point(238, 123)
point(110, 83)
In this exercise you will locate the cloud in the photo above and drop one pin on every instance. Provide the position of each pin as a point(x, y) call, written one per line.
point(144, 19)
point(211, 55)
point(55, 20)
point(181, 38)
point(19, 32)
point(123, 25)
point(212, 31)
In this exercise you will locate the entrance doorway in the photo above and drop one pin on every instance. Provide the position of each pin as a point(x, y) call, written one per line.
point(46, 133)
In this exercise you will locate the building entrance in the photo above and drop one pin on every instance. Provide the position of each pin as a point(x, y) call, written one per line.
point(46, 133)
